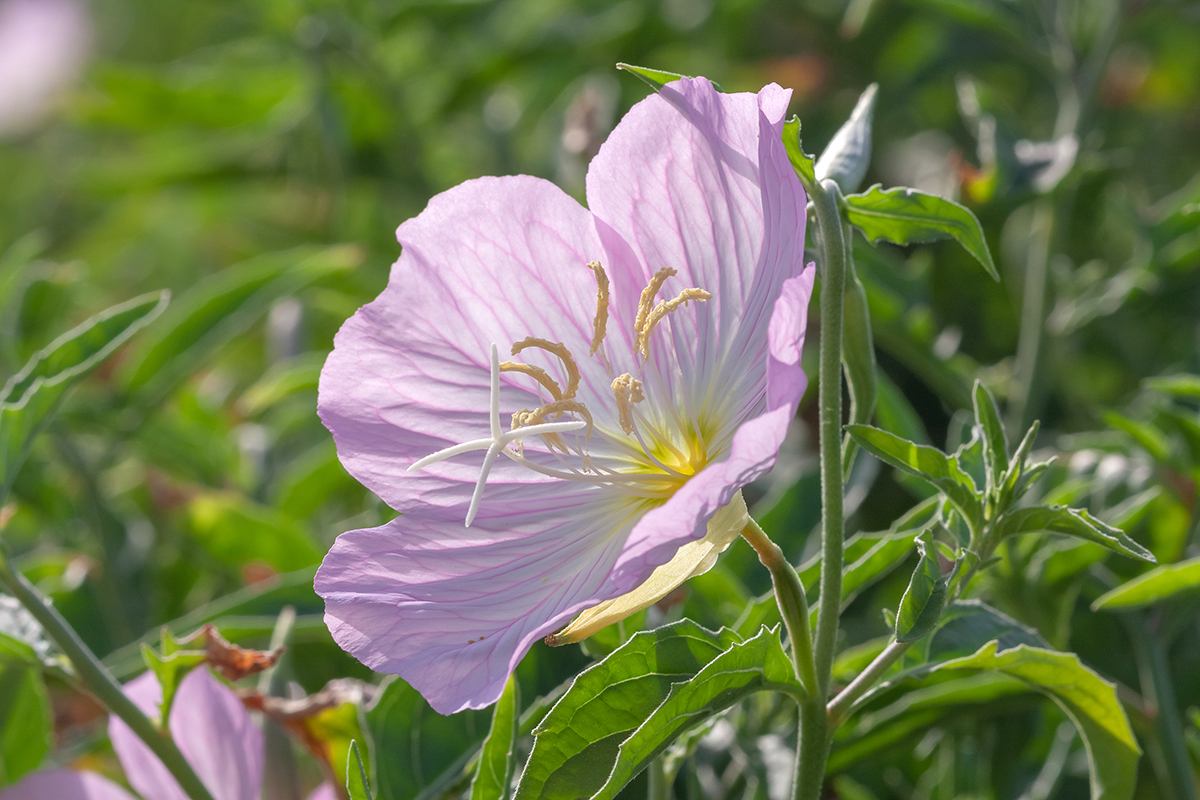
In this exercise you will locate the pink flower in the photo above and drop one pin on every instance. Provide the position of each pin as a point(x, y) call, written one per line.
point(209, 725)
point(661, 410)
point(43, 45)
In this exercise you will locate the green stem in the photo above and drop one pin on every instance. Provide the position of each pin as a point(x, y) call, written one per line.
point(814, 740)
point(793, 605)
point(658, 787)
point(839, 706)
point(101, 683)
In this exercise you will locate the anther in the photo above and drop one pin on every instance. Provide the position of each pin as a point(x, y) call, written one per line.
point(647, 299)
point(601, 322)
point(661, 310)
point(560, 350)
point(526, 417)
point(628, 390)
point(537, 373)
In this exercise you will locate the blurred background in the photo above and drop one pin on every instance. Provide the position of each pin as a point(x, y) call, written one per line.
point(255, 158)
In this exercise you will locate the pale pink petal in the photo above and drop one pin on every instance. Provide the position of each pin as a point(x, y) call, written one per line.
point(453, 610)
point(324, 792)
point(699, 181)
point(65, 784)
point(493, 260)
point(211, 728)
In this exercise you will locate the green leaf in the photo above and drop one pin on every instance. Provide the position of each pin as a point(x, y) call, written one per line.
point(858, 357)
point(338, 729)
point(237, 531)
point(1179, 385)
point(923, 601)
point(170, 669)
point(1017, 479)
point(995, 443)
point(1152, 587)
point(755, 665)
point(494, 773)
point(905, 216)
point(1070, 522)
point(219, 309)
point(927, 463)
point(17, 623)
point(968, 625)
point(848, 154)
point(32, 395)
point(357, 785)
point(1089, 700)
point(656, 78)
point(895, 414)
point(1151, 439)
point(578, 742)
point(802, 163)
point(283, 379)
point(26, 723)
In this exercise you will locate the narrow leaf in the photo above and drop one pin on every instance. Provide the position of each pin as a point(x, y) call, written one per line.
point(577, 743)
point(170, 670)
point(1089, 700)
point(357, 785)
point(32, 395)
point(905, 216)
point(1180, 385)
point(923, 601)
point(927, 463)
point(755, 665)
point(1153, 587)
point(656, 78)
point(848, 153)
point(494, 773)
point(995, 443)
point(1071, 522)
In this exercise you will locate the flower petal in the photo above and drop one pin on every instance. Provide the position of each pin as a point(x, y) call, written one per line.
point(694, 558)
point(699, 181)
point(211, 728)
point(453, 610)
point(324, 792)
point(492, 260)
point(65, 784)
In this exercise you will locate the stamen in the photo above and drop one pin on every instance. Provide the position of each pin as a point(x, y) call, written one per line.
point(661, 310)
point(537, 373)
point(628, 390)
point(558, 407)
point(560, 350)
point(600, 324)
point(647, 298)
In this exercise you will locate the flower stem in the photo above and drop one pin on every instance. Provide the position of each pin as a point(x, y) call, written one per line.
point(97, 679)
point(793, 605)
point(838, 706)
point(814, 738)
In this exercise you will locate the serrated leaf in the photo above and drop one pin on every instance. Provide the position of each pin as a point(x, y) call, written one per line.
point(995, 443)
point(848, 154)
point(905, 216)
point(577, 743)
point(923, 601)
point(755, 665)
point(802, 163)
point(221, 308)
point(1016, 480)
point(1071, 522)
point(1160, 583)
point(494, 772)
point(968, 625)
point(357, 785)
point(1089, 700)
point(26, 723)
point(927, 463)
point(32, 395)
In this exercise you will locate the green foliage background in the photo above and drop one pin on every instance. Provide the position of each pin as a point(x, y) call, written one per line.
point(254, 158)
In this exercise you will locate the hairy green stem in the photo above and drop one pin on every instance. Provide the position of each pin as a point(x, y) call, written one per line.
point(793, 605)
point(814, 739)
point(101, 683)
point(839, 706)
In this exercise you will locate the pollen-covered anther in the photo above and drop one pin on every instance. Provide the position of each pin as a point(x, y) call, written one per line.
point(526, 417)
point(646, 302)
point(564, 355)
point(537, 373)
point(600, 324)
point(661, 310)
point(628, 390)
